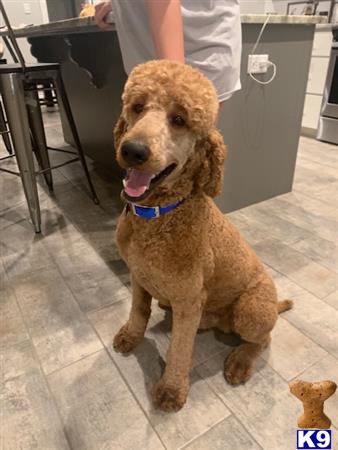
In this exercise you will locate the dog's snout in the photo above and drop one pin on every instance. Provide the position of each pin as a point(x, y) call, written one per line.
point(134, 153)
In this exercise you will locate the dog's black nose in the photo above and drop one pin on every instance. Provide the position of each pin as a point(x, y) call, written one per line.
point(134, 153)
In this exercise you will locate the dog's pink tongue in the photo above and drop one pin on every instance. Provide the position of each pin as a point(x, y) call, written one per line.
point(136, 183)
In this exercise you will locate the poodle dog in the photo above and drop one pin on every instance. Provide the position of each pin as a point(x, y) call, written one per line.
point(179, 247)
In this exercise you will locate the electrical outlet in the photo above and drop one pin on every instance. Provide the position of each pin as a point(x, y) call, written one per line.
point(258, 63)
point(27, 8)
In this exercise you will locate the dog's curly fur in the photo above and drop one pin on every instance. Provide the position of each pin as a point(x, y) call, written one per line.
point(192, 260)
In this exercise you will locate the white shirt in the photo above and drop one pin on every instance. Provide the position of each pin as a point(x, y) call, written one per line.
point(212, 38)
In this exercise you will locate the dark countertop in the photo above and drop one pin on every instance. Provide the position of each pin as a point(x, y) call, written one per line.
point(87, 25)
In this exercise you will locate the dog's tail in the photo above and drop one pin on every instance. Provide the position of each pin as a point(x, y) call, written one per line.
point(284, 305)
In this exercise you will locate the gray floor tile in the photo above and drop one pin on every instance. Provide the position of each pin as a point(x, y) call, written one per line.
point(321, 153)
point(303, 202)
point(98, 410)
point(143, 367)
point(263, 405)
point(105, 244)
point(201, 412)
point(262, 219)
point(17, 360)
point(83, 213)
point(72, 253)
point(332, 299)
point(321, 250)
point(226, 435)
point(312, 180)
point(22, 251)
point(3, 278)
point(335, 440)
point(60, 331)
point(313, 215)
point(20, 213)
point(29, 419)
point(13, 196)
point(10, 187)
point(310, 315)
point(303, 162)
point(96, 288)
point(108, 185)
point(290, 352)
point(209, 343)
point(121, 270)
point(59, 234)
point(12, 327)
point(329, 193)
point(12, 215)
point(307, 273)
point(325, 369)
point(60, 184)
point(251, 234)
point(52, 122)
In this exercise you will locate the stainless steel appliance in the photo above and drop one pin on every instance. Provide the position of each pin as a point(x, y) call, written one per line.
point(328, 121)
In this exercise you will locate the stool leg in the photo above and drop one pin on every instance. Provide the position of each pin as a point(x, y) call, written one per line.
point(14, 101)
point(38, 134)
point(65, 106)
point(3, 129)
point(49, 96)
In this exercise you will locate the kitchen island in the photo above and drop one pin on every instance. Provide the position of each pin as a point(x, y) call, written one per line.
point(261, 123)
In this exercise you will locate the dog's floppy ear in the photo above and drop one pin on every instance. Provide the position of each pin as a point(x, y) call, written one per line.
point(119, 131)
point(210, 174)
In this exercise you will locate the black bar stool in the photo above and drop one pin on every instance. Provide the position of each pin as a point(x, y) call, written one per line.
point(19, 86)
point(3, 123)
point(4, 131)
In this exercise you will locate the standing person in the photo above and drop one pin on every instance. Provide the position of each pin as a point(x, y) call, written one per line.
point(203, 33)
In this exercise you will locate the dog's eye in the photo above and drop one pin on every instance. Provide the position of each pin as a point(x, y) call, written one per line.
point(138, 108)
point(178, 121)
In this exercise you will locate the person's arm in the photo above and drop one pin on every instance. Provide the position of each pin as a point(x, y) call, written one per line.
point(165, 21)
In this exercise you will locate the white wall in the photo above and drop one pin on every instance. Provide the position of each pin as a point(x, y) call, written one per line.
point(252, 6)
point(25, 12)
point(263, 6)
point(277, 6)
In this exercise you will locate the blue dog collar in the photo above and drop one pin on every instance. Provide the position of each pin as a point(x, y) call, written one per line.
point(152, 212)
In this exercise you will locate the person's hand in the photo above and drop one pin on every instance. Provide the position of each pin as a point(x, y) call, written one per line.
point(101, 11)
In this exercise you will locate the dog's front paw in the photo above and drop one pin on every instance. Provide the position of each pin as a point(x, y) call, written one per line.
point(169, 397)
point(238, 367)
point(125, 341)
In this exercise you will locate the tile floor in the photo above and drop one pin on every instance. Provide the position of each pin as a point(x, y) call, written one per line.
point(65, 293)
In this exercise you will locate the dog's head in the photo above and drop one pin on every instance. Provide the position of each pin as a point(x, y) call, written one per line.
point(166, 133)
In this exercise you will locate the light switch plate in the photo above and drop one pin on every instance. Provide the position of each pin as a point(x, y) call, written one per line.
point(258, 63)
point(27, 8)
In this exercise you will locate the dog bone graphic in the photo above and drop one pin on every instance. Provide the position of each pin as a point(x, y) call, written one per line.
point(313, 396)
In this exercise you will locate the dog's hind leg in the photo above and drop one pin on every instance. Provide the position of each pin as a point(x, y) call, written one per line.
point(164, 306)
point(133, 331)
point(254, 316)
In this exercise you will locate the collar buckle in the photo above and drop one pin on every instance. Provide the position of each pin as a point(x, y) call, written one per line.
point(152, 212)
point(137, 210)
point(132, 205)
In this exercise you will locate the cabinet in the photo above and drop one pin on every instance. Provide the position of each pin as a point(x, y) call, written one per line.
point(317, 77)
point(311, 111)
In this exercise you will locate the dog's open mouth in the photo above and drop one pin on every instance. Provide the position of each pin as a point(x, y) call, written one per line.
point(137, 184)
